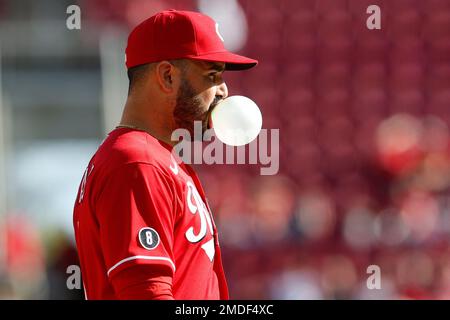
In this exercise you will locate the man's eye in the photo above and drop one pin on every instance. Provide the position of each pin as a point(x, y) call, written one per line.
point(213, 76)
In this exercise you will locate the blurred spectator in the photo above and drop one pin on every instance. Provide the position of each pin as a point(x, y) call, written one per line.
point(25, 260)
point(61, 253)
point(272, 202)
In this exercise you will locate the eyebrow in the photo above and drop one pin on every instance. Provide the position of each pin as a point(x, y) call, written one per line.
point(215, 66)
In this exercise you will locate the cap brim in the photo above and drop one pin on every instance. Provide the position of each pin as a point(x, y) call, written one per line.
point(233, 62)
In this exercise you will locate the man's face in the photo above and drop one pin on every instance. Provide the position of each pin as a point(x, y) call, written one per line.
point(201, 88)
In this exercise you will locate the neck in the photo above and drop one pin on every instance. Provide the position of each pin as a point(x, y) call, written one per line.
point(148, 119)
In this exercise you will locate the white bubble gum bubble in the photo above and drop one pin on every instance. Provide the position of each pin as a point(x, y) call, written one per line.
point(237, 120)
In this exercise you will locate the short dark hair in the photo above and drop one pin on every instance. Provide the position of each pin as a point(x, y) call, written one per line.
point(135, 74)
point(180, 63)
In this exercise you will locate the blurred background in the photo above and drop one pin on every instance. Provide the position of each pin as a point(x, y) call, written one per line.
point(364, 143)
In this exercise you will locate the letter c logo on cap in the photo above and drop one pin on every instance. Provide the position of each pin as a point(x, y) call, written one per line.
point(218, 33)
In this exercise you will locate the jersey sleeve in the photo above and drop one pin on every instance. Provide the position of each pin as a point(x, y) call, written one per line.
point(143, 282)
point(136, 212)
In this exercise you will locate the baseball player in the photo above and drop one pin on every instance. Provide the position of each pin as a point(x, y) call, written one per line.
point(142, 224)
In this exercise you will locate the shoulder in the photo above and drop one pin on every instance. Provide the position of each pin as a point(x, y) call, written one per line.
point(127, 158)
point(124, 147)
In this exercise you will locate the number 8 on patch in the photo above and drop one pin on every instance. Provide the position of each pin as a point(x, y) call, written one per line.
point(149, 238)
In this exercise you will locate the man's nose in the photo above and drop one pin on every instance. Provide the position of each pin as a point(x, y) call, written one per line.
point(222, 90)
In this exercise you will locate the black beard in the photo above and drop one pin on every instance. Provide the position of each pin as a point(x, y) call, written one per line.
point(188, 108)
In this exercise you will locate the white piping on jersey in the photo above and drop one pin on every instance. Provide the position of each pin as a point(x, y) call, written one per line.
point(85, 293)
point(175, 165)
point(143, 258)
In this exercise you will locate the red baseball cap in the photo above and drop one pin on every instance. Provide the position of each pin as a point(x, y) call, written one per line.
point(176, 34)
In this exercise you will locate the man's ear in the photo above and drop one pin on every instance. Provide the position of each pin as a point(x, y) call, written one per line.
point(166, 75)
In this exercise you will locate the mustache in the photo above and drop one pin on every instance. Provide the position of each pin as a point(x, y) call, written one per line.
point(207, 120)
point(215, 102)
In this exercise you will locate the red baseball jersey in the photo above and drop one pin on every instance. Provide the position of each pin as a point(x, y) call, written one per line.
point(137, 206)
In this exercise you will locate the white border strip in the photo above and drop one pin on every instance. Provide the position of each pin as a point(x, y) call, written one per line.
point(141, 257)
